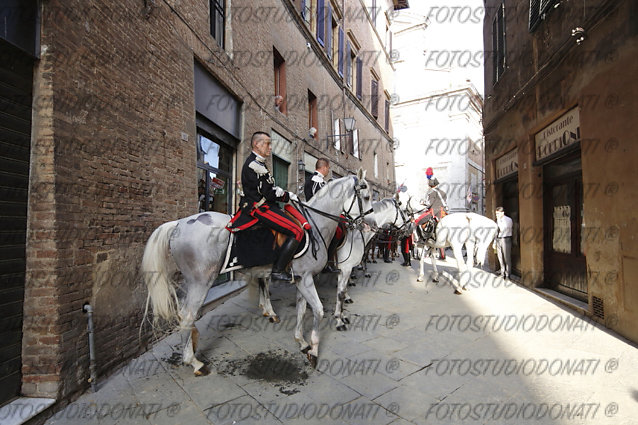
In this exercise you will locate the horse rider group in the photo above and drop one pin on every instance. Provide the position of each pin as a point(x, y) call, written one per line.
point(260, 195)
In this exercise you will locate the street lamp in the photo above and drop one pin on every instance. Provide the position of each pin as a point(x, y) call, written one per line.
point(349, 123)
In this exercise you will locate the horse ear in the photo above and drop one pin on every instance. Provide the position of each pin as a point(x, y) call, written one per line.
point(363, 176)
point(396, 196)
point(359, 173)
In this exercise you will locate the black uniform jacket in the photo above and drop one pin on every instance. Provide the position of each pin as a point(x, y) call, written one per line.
point(258, 185)
point(313, 185)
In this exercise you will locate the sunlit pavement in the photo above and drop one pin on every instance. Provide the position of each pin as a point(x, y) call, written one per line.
point(414, 353)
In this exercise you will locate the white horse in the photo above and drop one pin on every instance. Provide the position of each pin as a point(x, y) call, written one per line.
point(196, 246)
point(350, 254)
point(455, 230)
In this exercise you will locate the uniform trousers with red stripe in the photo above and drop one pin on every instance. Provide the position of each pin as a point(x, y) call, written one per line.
point(273, 217)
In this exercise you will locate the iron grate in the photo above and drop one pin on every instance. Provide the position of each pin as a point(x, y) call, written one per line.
point(599, 307)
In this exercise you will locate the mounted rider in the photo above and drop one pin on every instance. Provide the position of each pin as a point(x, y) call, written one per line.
point(259, 200)
point(436, 207)
point(312, 186)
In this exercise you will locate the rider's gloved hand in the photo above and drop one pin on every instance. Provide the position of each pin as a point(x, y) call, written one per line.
point(279, 192)
point(293, 197)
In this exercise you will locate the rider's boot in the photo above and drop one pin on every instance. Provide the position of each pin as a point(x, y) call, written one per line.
point(285, 255)
point(406, 259)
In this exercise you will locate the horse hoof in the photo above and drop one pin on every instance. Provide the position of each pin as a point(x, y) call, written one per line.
point(457, 292)
point(435, 280)
point(346, 320)
point(305, 350)
point(312, 359)
point(464, 288)
point(274, 319)
point(368, 275)
point(202, 371)
point(348, 301)
point(341, 328)
point(419, 279)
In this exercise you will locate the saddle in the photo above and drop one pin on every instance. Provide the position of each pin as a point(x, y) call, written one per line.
point(426, 226)
point(253, 244)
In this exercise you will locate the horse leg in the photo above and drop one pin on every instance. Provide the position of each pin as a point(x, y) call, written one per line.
point(421, 265)
point(342, 284)
point(308, 291)
point(189, 330)
point(301, 311)
point(458, 254)
point(264, 301)
point(435, 276)
point(464, 278)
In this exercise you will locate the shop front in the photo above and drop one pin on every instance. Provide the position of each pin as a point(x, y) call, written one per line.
point(218, 115)
point(557, 151)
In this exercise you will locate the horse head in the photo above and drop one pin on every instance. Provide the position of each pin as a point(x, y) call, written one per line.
point(359, 204)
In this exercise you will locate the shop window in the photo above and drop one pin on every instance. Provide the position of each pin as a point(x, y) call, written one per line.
point(214, 171)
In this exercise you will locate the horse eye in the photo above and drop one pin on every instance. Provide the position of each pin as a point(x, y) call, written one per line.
point(367, 198)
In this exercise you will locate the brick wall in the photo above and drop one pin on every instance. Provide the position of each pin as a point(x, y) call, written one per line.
point(113, 97)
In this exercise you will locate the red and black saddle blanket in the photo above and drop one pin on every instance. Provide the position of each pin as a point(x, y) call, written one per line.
point(254, 244)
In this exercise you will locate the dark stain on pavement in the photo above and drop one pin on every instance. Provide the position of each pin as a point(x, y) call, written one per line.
point(281, 368)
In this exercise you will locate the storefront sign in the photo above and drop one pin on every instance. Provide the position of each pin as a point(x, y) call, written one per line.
point(560, 134)
point(507, 164)
point(217, 183)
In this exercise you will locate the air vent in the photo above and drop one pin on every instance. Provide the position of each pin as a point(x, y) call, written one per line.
point(599, 308)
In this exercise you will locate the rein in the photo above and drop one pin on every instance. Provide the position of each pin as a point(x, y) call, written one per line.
point(352, 222)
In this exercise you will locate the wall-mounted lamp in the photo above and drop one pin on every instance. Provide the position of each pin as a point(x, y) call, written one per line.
point(301, 166)
point(349, 123)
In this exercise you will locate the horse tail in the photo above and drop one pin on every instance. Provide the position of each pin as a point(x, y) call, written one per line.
point(156, 273)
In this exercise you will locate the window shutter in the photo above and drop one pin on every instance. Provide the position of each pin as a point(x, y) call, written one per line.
point(348, 64)
point(387, 116)
point(374, 98)
point(321, 13)
point(359, 78)
point(355, 143)
point(534, 14)
point(329, 31)
point(340, 60)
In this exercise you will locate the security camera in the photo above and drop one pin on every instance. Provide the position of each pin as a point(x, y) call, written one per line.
point(307, 44)
point(312, 131)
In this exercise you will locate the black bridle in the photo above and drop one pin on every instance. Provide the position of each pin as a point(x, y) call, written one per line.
point(352, 222)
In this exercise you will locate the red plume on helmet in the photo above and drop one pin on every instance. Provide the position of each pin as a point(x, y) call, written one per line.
point(429, 172)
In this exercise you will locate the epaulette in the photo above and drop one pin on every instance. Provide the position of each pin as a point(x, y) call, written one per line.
point(258, 167)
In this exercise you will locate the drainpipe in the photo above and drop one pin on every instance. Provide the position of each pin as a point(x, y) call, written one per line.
point(93, 379)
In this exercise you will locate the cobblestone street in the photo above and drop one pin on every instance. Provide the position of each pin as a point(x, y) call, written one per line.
point(414, 353)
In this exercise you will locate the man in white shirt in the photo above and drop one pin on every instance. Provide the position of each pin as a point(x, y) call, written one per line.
point(503, 242)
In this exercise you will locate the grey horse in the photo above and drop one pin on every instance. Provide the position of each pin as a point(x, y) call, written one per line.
point(196, 246)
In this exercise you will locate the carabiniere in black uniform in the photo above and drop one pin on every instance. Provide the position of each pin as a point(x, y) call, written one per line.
point(260, 201)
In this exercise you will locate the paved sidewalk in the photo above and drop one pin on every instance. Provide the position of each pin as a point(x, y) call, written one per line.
point(415, 353)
